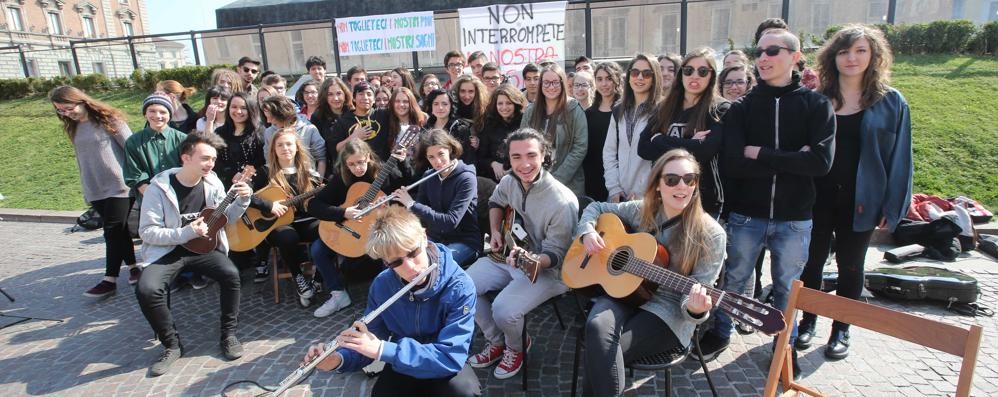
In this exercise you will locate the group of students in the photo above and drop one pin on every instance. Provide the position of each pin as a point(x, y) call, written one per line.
point(672, 146)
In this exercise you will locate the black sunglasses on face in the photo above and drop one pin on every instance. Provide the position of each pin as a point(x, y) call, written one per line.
point(248, 70)
point(703, 71)
point(398, 262)
point(772, 51)
point(673, 179)
point(646, 73)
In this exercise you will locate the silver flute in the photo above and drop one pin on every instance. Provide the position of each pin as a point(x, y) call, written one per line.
point(390, 197)
point(330, 347)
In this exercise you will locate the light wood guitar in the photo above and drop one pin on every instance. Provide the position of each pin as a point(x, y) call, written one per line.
point(255, 225)
point(633, 264)
point(514, 235)
point(349, 236)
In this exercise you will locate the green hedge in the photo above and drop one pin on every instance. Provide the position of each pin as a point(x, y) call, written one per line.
point(197, 76)
point(938, 37)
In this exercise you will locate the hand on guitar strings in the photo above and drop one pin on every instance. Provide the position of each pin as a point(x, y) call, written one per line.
point(199, 226)
point(329, 364)
point(399, 154)
point(242, 189)
point(516, 252)
point(593, 242)
point(698, 302)
point(278, 208)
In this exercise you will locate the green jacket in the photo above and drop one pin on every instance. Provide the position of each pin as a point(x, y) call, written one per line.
point(148, 153)
point(570, 143)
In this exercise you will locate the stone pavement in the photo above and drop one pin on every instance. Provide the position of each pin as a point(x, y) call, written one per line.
point(104, 347)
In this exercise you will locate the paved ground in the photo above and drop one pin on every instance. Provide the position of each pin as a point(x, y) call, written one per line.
point(104, 347)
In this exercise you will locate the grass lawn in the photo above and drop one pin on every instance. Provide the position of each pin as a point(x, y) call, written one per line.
point(953, 102)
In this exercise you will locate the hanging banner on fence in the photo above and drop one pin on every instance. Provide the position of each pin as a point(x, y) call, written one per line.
point(513, 35)
point(380, 34)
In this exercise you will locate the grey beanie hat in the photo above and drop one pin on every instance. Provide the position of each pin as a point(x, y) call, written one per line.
point(158, 99)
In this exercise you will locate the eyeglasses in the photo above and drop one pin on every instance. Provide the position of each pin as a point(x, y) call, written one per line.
point(66, 111)
point(702, 71)
point(772, 51)
point(646, 73)
point(673, 179)
point(248, 70)
point(493, 78)
point(455, 65)
point(732, 83)
point(398, 262)
point(580, 86)
point(551, 83)
point(311, 92)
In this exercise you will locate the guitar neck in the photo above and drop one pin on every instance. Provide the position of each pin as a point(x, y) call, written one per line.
point(372, 191)
point(667, 279)
point(296, 200)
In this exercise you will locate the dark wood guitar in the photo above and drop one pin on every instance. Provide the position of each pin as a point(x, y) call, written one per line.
point(255, 225)
point(349, 236)
point(633, 265)
point(216, 219)
point(515, 235)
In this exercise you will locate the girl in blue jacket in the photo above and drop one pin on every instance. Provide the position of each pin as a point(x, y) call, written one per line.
point(869, 184)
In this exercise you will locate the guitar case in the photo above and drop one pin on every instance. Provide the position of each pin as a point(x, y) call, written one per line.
point(923, 283)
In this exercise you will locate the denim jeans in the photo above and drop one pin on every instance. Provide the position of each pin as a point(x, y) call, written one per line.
point(787, 242)
point(464, 254)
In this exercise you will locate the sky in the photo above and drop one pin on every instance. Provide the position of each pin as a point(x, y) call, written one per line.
point(169, 16)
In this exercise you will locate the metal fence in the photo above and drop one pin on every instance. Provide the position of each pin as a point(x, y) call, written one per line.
point(599, 29)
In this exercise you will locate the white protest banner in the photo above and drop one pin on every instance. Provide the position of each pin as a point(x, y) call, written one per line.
point(513, 35)
point(379, 34)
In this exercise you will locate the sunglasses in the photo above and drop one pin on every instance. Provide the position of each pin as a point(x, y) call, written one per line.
point(772, 51)
point(248, 70)
point(702, 71)
point(411, 255)
point(673, 179)
point(646, 73)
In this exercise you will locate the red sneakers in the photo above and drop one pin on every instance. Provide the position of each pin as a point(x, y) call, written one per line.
point(511, 362)
point(487, 357)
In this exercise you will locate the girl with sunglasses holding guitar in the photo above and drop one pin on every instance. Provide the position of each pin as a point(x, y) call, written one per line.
point(690, 118)
point(618, 332)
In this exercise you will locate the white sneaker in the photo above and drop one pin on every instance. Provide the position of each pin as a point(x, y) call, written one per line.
point(337, 301)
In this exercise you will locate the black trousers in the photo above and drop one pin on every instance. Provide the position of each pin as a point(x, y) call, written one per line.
point(118, 246)
point(286, 239)
point(616, 334)
point(834, 216)
point(155, 282)
point(463, 384)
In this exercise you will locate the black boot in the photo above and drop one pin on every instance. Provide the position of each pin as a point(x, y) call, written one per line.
point(838, 345)
point(805, 332)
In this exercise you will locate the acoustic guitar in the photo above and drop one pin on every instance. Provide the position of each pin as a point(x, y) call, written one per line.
point(216, 219)
point(255, 225)
point(349, 236)
point(634, 265)
point(514, 235)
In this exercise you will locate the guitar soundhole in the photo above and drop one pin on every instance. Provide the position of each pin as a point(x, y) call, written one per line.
point(618, 260)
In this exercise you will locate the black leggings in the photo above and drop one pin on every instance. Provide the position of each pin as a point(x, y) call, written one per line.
point(286, 239)
point(836, 217)
point(462, 384)
point(117, 242)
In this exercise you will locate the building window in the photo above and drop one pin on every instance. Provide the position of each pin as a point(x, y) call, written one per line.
point(670, 32)
point(66, 69)
point(819, 17)
point(223, 47)
point(99, 68)
point(128, 28)
point(257, 48)
point(32, 68)
point(993, 15)
point(14, 15)
point(89, 29)
point(297, 49)
point(55, 25)
point(877, 11)
point(618, 31)
point(720, 21)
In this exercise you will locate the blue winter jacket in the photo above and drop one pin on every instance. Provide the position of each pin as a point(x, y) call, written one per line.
point(430, 330)
point(883, 180)
point(448, 207)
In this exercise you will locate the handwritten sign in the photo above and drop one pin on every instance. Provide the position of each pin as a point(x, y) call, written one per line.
point(513, 35)
point(380, 34)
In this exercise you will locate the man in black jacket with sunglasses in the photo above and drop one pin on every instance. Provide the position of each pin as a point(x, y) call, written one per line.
point(778, 138)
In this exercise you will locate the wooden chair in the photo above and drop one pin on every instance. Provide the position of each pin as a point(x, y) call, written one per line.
point(279, 271)
point(948, 338)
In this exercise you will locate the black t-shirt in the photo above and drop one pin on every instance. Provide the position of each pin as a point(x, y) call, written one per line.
point(845, 162)
point(190, 199)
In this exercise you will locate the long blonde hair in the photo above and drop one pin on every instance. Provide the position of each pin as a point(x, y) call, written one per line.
point(302, 161)
point(689, 242)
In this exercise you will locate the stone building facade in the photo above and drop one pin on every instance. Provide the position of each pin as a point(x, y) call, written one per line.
point(44, 28)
